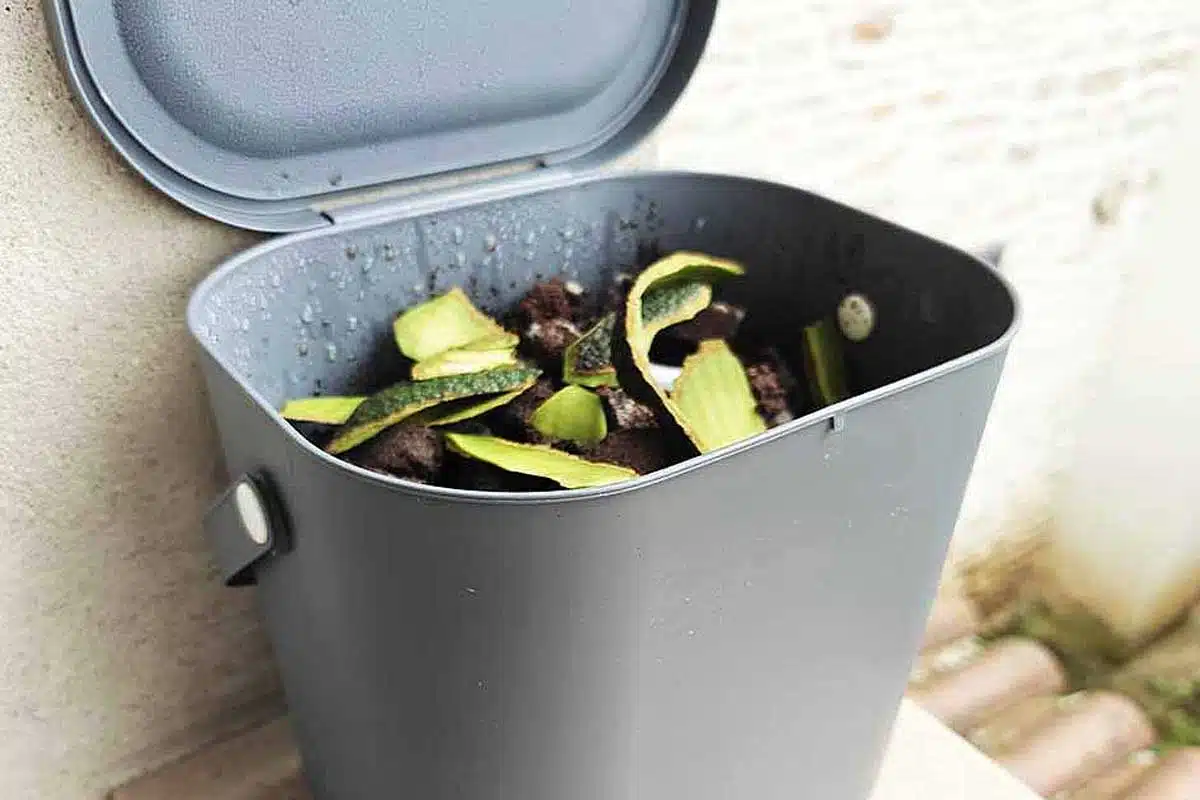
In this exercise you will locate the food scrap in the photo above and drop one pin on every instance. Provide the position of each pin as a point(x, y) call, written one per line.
point(575, 388)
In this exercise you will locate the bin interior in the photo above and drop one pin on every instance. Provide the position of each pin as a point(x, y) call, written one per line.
point(311, 313)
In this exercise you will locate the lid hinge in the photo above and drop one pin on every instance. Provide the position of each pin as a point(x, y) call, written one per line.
point(410, 198)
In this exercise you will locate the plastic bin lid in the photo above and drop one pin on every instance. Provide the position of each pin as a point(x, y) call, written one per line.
point(261, 113)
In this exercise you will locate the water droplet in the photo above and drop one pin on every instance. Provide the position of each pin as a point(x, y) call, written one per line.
point(699, 224)
point(691, 633)
point(362, 294)
point(366, 265)
point(245, 325)
point(327, 325)
point(312, 287)
point(331, 351)
point(302, 348)
point(335, 179)
point(332, 276)
point(568, 233)
point(352, 322)
point(276, 280)
point(557, 247)
point(458, 234)
point(389, 253)
point(568, 252)
point(530, 237)
point(416, 287)
point(351, 251)
point(529, 256)
point(460, 258)
point(687, 601)
point(748, 584)
point(306, 316)
point(489, 243)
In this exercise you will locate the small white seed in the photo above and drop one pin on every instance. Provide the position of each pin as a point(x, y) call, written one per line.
point(856, 317)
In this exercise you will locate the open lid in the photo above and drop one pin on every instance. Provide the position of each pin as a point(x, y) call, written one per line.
point(262, 113)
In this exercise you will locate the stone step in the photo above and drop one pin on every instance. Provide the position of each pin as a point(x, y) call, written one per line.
point(260, 764)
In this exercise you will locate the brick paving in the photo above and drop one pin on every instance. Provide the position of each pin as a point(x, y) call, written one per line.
point(1010, 698)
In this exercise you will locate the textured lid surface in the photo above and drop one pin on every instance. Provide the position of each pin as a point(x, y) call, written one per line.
point(256, 112)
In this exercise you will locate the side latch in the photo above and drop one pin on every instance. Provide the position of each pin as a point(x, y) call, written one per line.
point(244, 527)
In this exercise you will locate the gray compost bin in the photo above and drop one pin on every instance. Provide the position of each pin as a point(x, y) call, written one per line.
point(737, 626)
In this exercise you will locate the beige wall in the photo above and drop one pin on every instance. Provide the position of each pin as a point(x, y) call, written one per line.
point(117, 648)
point(971, 121)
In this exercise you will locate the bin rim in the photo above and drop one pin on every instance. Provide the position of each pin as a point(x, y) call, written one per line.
point(474, 496)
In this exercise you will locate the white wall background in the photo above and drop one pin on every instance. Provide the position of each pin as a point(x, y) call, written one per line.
point(971, 120)
point(1126, 538)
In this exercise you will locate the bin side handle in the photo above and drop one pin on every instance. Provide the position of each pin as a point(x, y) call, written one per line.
point(243, 527)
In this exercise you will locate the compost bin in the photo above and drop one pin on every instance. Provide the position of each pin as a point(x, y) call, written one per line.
point(738, 625)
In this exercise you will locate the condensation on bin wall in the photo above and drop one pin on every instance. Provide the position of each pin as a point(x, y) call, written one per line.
point(118, 650)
